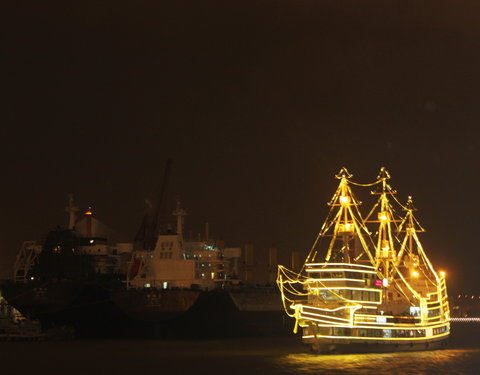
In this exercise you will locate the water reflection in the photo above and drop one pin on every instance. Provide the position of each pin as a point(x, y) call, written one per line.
point(459, 362)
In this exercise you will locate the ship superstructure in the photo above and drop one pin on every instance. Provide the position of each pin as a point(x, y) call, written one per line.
point(367, 283)
point(81, 250)
point(178, 263)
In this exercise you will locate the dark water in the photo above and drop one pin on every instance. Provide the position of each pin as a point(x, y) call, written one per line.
point(268, 356)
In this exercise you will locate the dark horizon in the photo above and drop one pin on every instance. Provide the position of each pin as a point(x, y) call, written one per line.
point(258, 103)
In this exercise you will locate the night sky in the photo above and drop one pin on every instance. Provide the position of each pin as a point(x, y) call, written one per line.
point(258, 103)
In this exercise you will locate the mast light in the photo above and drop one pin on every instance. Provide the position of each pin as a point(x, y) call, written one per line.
point(344, 200)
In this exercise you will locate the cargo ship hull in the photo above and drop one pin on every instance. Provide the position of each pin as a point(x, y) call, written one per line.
point(213, 314)
point(94, 311)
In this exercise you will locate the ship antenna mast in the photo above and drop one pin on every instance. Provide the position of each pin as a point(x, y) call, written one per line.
point(180, 213)
point(72, 210)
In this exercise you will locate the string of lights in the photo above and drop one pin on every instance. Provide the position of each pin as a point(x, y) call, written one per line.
point(374, 281)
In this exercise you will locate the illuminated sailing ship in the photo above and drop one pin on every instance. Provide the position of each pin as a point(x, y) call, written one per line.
point(367, 284)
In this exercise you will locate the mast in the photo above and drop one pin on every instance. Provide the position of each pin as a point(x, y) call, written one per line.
point(344, 226)
point(412, 256)
point(180, 213)
point(153, 231)
point(72, 210)
point(385, 245)
point(147, 235)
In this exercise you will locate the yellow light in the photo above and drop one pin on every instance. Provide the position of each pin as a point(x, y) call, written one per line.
point(88, 212)
point(345, 288)
point(380, 338)
point(335, 279)
point(442, 273)
point(336, 309)
point(400, 326)
point(338, 264)
point(382, 216)
point(415, 274)
point(338, 270)
point(328, 317)
point(380, 326)
point(344, 200)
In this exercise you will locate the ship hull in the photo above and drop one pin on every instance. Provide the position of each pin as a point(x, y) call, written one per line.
point(95, 310)
point(37, 300)
point(212, 314)
point(344, 347)
point(151, 305)
point(85, 307)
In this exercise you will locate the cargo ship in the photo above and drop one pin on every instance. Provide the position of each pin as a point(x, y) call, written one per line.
point(65, 280)
point(159, 285)
point(192, 288)
point(367, 284)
